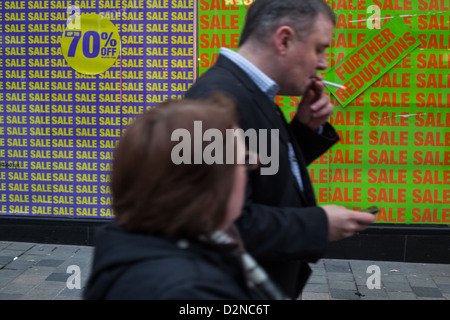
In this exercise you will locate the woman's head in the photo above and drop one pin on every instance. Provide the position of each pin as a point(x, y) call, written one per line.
point(153, 194)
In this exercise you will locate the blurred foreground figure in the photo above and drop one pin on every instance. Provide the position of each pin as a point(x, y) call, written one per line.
point(175, 196)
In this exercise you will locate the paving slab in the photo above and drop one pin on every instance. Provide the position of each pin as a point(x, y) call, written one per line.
point(33, 271)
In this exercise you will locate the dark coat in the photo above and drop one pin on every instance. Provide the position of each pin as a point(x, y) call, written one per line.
point(130, 266)
point(280, 225)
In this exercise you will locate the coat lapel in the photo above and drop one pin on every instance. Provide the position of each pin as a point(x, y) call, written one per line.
point(307, 194)
point(268, 109)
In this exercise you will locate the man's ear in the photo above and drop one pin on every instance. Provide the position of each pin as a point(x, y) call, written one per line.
point(283, 37)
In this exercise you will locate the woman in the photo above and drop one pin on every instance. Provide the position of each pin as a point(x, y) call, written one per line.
point(173, 234)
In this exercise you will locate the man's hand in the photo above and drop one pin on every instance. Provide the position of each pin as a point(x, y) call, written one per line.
point(315, 107)
point(343, 223)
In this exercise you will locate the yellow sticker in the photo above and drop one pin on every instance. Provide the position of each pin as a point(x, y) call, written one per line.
point(92, 45)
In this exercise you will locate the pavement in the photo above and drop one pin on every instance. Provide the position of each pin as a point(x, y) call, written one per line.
point(377, 280)
point(34, 271)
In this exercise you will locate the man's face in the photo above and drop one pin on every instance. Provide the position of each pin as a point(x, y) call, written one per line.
point(306, 57)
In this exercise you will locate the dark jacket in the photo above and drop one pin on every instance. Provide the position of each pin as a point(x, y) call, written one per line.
point(280, 225)
point(135, 266)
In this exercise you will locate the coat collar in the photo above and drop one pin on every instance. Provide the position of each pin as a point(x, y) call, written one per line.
point(268, 108)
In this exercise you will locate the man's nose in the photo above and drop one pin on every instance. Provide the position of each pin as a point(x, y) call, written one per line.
point(323, 64)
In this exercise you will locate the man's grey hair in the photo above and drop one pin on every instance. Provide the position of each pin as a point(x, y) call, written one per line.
point(265, 16)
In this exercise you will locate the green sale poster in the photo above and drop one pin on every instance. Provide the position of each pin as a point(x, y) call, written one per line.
point(74, 74)
point(393, 116)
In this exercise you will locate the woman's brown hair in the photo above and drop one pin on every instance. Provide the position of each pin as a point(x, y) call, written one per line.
point(153, 195)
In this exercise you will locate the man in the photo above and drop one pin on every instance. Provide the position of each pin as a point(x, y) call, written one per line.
point(282, 47)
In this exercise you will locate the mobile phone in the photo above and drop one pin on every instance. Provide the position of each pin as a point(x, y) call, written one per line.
point(372, 210)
